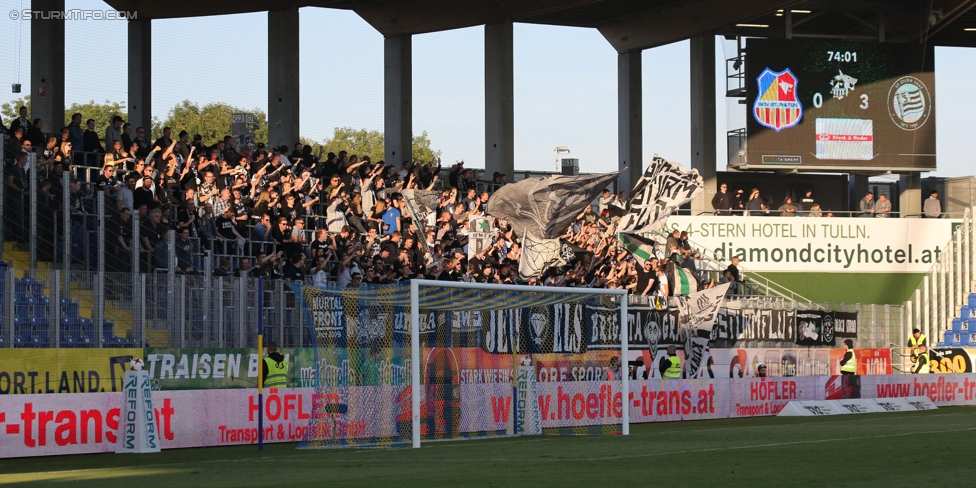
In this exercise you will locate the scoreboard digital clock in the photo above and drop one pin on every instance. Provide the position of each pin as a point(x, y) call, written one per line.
point(822, 105)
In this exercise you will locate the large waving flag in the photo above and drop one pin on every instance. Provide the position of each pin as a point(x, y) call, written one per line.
point(538, 256)
point(697, 314)
point(663, 188)
point(641, 247)
point(544, 207)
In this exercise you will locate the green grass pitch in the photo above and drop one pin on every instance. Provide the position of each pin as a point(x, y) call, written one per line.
point(894, 449)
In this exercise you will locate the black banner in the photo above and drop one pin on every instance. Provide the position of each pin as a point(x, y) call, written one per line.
point(845, 324)
point(814, 328)
point(756, 324)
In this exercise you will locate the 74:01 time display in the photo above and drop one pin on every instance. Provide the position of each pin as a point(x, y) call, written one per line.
point(842, 57)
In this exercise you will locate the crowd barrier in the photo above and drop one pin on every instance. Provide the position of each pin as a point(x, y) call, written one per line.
point(41, 424)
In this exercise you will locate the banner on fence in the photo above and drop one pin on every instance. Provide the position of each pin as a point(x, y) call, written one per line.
point(30, 371)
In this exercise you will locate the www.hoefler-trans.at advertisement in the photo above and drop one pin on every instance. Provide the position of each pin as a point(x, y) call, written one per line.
point(44, 424)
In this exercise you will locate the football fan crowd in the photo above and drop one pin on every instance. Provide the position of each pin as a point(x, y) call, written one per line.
point(286, 213)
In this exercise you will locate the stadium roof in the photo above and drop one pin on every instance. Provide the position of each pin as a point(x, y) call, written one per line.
point(632, 24)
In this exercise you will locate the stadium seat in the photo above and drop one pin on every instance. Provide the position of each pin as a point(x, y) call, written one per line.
point(72, 310)
point(70, 332)
point(964, 312)
point(964, 338)
point(957, 325)
point(949, 337)
point(956, 339)
point(972, 301)
point(22, 332)
point(964, 327)
point(42, 337)
point(40, 307)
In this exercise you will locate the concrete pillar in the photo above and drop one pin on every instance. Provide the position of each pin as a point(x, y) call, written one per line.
point(47, 66)
point(140, 75)
point(283, 85)
point(629, 120)
point(703, 154)
point(398, 99)
point(499, 101)
point(910, 199)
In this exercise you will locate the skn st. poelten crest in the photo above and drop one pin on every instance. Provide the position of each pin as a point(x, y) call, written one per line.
point(777, 105)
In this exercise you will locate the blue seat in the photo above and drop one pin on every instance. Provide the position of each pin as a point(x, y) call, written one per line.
point(964, 312)
point(87, 328)
point(964, 325)
point(957, 325)
point(22, 332)
point(954, 339)
point(72, 310)
point(41, 330)
point(964, 338)
point(949, 336)
point(972, 301)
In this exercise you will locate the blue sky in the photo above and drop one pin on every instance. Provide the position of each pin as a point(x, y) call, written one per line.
point(565, 83)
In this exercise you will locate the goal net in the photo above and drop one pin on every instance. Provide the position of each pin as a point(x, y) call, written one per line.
point(488, 360)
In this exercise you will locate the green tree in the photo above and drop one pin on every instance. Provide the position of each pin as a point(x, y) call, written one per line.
point(422, 150)
point(213, 121)
point(363, 142)
point(11, 109)
point(102, 113)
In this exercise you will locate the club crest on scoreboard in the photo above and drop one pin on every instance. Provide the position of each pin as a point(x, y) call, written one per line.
point(909, 103)
point(777, 105)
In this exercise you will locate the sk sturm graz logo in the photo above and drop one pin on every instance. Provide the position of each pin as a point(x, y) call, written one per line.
point(909, 103)
point(828, 329)
point(777, 105)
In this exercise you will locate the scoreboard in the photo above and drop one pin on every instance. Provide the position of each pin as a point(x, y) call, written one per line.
point(839, 105)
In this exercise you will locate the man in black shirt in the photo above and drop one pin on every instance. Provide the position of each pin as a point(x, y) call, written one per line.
point(295, 269)
point(184, 252)
point(150, 232)
point(118, 237)
point(144, 194)
point(227, 232)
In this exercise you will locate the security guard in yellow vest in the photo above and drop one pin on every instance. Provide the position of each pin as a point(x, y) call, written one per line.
point(848, 364)
point(275, 368)
point(921, 360)
point(670, 366)
point(917, 339)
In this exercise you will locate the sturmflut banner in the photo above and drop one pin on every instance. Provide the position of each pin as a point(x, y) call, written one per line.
point(792, 244)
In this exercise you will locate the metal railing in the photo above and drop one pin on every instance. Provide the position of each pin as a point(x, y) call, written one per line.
point(105, 309)
point(945, 288)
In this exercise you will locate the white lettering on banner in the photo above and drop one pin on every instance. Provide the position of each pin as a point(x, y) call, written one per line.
point(813, 245)
point(45, 424)
point(139, 432)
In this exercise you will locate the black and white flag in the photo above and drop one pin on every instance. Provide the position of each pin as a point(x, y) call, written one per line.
point(539, 255)
point(663, 188)
point(544, 207)
point(421, 204)
point(697, 314)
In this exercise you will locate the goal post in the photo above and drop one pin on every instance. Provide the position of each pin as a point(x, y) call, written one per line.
point(400, 364)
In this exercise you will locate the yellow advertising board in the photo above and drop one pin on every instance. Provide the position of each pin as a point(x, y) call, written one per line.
point(31, 371)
